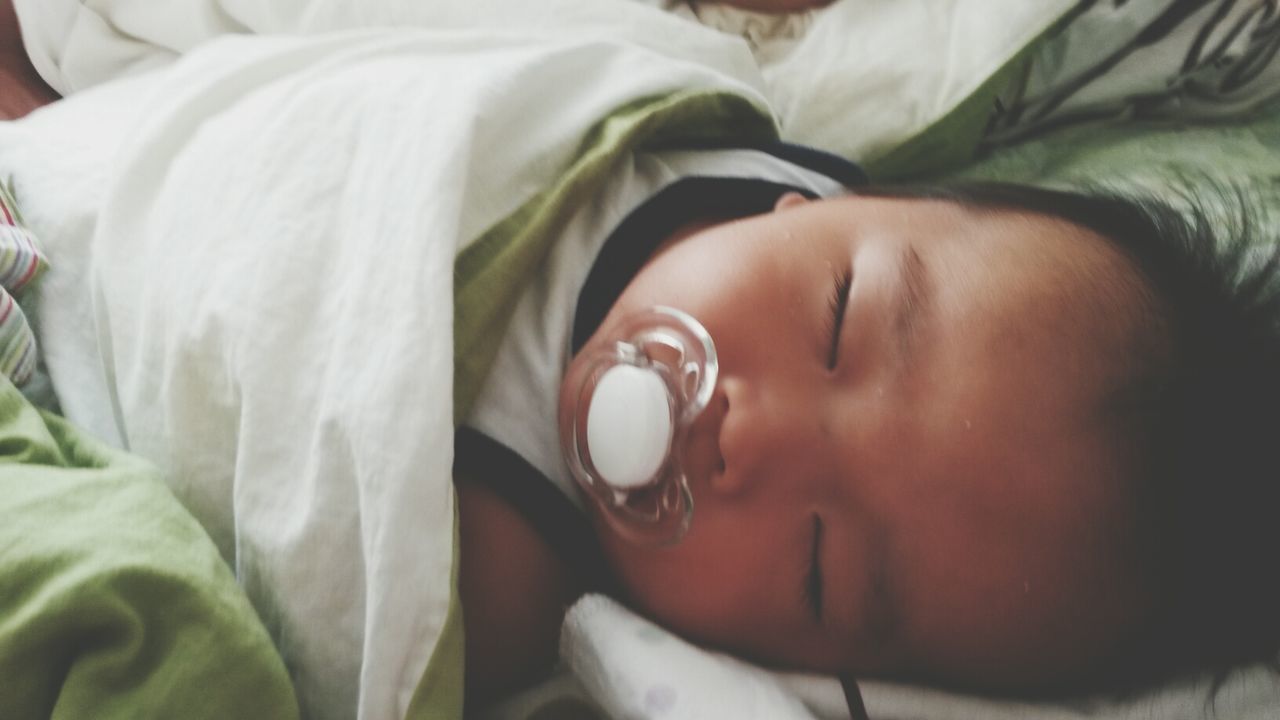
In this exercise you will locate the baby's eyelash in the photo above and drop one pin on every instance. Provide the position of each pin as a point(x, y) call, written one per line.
point(842, 283)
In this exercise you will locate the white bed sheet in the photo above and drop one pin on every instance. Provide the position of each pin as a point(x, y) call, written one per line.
point(859, 78)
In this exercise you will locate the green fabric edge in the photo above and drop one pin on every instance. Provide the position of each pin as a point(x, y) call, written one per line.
point(1221, 167)
point(120, 605)
point(440, 690)
point(952, 140)
point(490, 274)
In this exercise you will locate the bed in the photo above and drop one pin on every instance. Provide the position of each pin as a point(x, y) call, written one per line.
point(911, 90)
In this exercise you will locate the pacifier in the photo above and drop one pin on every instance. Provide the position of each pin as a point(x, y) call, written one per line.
point(633, 404)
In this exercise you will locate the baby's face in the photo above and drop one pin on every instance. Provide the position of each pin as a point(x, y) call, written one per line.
point(927, 487)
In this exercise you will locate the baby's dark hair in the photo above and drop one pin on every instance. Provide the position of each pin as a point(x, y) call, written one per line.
point(1203, 414)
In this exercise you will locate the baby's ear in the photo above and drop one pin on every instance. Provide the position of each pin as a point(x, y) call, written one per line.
point(789, 200)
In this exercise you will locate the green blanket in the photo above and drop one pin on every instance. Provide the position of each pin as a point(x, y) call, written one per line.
point(1156, 158)
point(114, 603)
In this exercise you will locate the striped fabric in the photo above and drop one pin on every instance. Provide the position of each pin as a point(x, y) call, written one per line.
point(21, 262)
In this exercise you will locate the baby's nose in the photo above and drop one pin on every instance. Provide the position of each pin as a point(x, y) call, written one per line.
point(704, 463)
point(760, 436)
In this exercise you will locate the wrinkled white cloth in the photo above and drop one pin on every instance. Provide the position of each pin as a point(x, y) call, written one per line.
point(856, 78)
point(232, 299)
point(635, 669)
point(639, 671)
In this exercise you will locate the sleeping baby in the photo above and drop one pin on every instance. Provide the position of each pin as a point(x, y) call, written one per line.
point(979, 436)
point(991, 437)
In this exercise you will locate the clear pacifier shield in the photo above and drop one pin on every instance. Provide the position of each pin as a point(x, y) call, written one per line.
point(632, 403)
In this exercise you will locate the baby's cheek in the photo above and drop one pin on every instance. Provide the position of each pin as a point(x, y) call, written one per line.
point(708, 591)
point(661, 584)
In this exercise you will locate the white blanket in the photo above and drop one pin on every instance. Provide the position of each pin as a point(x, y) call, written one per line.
point(857, 78)
point(634, 669)
point(252, 261)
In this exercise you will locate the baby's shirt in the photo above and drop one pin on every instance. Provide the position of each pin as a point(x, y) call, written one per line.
point(511, 439)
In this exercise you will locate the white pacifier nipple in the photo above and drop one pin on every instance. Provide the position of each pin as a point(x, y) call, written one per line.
point(629, 426)
point(633, 402)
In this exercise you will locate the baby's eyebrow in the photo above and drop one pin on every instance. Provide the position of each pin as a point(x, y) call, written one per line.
point(915, 303)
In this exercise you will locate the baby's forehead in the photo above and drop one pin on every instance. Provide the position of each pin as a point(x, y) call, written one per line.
point(999, 260)
point(1017, 289)
point(1014, 248)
